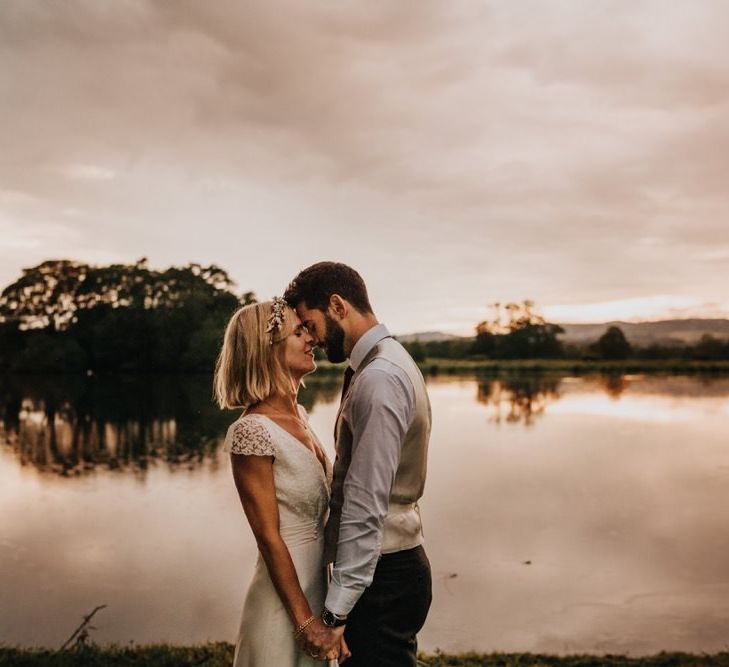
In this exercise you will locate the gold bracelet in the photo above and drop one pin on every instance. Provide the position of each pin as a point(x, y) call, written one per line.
point(304, 625)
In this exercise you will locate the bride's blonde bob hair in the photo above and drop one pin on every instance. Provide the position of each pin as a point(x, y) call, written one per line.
point(252, 363)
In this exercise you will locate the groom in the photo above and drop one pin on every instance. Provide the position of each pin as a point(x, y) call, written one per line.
point(380, 590)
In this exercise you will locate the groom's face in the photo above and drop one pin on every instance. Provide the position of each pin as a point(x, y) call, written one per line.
point(327, 332)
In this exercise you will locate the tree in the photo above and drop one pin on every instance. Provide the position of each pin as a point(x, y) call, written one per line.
point(53, 293)
point(517, 332)
point(417, 351)
point(485, 341)
point(613, 344)
point(44, 296)
point(711, 348)
point(12, 343)
point(531, 341)
point(117, 317)
point(51, 352)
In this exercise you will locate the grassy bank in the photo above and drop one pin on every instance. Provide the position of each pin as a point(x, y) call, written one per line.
point(221, 655)
point(572, 366)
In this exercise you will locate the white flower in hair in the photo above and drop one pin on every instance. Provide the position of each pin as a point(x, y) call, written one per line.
point(276, 319)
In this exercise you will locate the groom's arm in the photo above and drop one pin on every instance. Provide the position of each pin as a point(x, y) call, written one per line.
point(379, 412)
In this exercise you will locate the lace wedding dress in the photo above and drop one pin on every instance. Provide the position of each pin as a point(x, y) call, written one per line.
point(302, 484)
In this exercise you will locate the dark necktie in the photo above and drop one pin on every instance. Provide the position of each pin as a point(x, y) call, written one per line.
point(347, 380)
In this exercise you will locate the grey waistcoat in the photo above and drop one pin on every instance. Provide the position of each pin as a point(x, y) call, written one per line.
point(402, 527)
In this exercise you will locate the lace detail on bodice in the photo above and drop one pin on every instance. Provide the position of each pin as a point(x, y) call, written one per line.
point(248, 436)
point(302, 483)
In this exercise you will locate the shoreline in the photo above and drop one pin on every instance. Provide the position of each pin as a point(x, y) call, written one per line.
point(220, 654)
point(437, 366)
point(444, 366)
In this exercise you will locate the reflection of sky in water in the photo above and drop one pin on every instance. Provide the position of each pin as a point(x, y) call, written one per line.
point(623, 521)
point(648, 408)
point(615, 495)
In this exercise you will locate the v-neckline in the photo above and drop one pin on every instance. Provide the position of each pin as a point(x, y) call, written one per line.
point(300, 443)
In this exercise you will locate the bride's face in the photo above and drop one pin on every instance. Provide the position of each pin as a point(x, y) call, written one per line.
point(300, 351)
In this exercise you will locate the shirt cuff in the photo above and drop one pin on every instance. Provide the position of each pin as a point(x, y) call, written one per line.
point(341, 600)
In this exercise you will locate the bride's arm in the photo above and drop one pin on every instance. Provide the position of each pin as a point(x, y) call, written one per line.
point(254, 480)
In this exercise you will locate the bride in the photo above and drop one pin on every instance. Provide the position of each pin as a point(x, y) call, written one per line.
point(283, 477)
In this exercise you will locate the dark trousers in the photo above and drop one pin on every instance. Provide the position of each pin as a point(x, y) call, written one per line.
point(381, 628)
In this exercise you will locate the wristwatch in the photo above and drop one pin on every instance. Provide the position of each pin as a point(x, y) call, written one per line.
point(332, 620)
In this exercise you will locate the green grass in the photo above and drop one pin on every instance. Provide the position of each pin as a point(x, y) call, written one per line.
point(574, 366)
point(537, 660)
point(220, 654)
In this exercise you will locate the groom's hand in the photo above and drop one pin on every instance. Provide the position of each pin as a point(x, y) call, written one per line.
point(320, 641)
point(344, 651)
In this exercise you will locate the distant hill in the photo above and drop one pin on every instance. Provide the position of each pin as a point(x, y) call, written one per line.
point(647, 333)
point(638, 333)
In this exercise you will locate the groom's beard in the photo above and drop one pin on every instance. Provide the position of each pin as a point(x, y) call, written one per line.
point(334, 340)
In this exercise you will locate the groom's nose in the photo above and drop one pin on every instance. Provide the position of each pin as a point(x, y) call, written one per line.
point(311, 329)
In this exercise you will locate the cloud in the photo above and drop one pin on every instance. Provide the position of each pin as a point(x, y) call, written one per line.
point(530, 148)
point(89, 172)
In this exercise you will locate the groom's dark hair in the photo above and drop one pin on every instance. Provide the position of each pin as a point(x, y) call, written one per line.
point(315, 285)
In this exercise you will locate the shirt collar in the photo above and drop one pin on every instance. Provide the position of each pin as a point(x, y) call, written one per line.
point(367, 341)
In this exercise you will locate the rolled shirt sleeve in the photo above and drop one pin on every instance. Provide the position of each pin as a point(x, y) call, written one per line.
point(379, 412)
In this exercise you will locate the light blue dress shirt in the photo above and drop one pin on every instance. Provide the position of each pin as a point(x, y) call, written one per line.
point(380, 410)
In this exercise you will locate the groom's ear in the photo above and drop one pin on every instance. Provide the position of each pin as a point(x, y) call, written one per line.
point(338, 306)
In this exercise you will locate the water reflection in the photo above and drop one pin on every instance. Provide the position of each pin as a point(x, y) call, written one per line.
point(519, 399)
point(614, 384)
point(69, 425)
point(522, 399)
point(599, 527)
point(72, 425)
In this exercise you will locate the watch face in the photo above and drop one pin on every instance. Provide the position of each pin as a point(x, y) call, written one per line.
point(330, 620)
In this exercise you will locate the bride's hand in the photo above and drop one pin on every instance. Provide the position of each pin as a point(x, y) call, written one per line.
point(344, 651)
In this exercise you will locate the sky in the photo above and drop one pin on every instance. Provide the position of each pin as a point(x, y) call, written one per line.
point(455, 153)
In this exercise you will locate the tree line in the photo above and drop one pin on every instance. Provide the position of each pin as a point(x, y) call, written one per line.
point(66, 316)
point(517, 332)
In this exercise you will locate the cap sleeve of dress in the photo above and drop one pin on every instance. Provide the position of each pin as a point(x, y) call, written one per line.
point(250, 437)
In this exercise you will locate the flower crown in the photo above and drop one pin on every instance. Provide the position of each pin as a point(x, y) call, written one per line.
point(276, 319)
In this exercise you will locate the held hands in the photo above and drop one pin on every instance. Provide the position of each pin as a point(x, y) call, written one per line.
point(323, 643)
point(344, 651)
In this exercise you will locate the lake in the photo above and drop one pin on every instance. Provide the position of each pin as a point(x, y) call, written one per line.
point(561, 514)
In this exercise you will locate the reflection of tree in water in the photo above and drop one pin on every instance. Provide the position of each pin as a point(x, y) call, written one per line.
point(69, 425)
point(614, 384)
point(517, 399)
point(322, 389)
